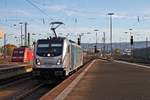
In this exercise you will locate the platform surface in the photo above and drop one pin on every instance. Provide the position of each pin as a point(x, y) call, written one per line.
point(113, 81)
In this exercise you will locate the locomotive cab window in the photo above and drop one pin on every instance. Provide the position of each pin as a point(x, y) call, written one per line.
point(43, 45)
point(46, 48)
point(21, 52)
point(56, 45)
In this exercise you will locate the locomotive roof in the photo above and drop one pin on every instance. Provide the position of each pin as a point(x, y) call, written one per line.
point(52, 38)
point(58, 39)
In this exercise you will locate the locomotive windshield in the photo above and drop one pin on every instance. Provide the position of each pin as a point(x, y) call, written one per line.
point(18, 53)
point(49, 48)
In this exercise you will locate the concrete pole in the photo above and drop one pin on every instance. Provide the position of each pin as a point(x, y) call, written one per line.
point(110, 14)
point(96, 41)
point(103, 43)
point(147, 55)
point(21, 33)
point(28, 39)
point(25, 41)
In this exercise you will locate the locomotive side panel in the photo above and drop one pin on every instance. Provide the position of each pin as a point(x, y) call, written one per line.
point(66, 57)
point(76, 56)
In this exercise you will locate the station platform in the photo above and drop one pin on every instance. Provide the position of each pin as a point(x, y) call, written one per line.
point(111, 80)
point(11, 66)
point(12, 70)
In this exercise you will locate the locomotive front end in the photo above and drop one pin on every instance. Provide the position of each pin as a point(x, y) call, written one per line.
point(48, 59)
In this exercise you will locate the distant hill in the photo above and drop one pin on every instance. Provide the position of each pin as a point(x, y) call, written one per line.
point(123, 45)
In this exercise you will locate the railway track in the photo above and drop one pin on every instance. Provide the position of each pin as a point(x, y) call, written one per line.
point(17, 89)
point(14, 79)
point(28, 92)
point(29, 89)
point(37, 92)
point(24, 87)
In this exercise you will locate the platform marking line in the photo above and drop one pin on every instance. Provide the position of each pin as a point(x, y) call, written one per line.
point(68, 89)
point(132, 64)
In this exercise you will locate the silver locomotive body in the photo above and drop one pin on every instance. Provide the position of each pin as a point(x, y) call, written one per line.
point(56, 57)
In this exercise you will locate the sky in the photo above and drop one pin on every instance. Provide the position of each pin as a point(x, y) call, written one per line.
point(78, 16)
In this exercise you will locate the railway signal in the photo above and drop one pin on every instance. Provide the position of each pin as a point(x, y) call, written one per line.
point(131, 40)
point(79, 41)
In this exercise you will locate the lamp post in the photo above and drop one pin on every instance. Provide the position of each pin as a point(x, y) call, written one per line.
point(21, 33)
point(96, 41)
point(131, 42)
point(111, 14)
point(103, 43)
point(25, 28)
point(147, 48)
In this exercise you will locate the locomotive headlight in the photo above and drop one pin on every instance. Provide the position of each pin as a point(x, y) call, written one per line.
point(59, 61)
point(38, 61)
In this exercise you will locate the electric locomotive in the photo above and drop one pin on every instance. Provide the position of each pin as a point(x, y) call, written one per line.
point(56, 57)
point(22, 54)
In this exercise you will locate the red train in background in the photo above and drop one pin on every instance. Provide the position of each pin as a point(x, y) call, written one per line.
point(22, 54)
